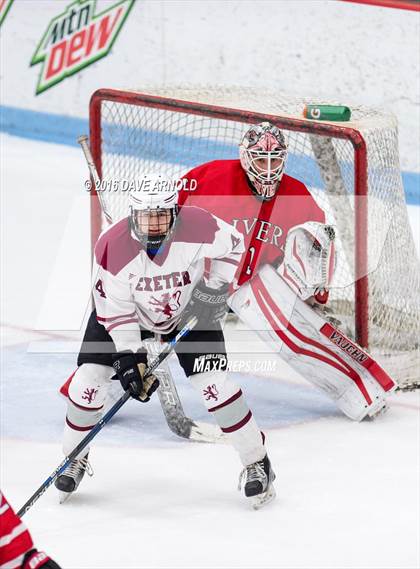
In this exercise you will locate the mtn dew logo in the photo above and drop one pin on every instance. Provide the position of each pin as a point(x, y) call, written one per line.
point(76, 38)
point(4, 8)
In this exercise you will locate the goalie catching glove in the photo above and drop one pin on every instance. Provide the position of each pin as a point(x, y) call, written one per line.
point(130, 368)
point(208, 305)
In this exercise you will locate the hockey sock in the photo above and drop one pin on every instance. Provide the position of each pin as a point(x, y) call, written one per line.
point(87, 393)
point(224, 399)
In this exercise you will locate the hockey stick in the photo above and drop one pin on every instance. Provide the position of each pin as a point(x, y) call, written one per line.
point(178, 422)
point(172, 407)
point(83, 140)
point(105, 419)
point(169, 399)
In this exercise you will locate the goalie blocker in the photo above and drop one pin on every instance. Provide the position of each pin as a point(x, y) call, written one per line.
point(272, 304)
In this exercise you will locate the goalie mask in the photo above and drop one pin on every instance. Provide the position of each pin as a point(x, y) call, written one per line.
point(263, 153)
point(153, 211)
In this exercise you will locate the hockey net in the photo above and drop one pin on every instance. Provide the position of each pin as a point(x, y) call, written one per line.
point(352, 170)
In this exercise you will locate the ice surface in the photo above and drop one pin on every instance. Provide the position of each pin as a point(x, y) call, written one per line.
point(348, 494)
point(348, 497)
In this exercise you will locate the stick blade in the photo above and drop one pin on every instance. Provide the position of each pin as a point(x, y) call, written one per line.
point(207, 433)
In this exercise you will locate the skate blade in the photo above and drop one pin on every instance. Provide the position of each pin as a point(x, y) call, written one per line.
point(63, 496)
point(262, 500)
point(378, 412)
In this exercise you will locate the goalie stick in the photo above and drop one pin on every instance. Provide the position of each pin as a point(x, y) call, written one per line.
point(169, 399)
point(105, 419)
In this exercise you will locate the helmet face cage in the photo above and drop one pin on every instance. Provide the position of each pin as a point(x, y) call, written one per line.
point(153, 225)
point(153, 210)
point(263, 153)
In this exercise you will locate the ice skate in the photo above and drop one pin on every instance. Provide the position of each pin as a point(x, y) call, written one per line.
point(68, 482)
point(257, 481)
point(378, 411)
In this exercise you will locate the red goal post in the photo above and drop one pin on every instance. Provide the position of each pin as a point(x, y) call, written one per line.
point(354, 167)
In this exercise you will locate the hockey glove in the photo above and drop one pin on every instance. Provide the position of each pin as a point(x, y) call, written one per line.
point(35, 559)
point(129, 368)
point(208, 305)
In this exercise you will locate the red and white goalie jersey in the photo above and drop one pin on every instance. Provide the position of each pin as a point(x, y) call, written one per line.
point(223, 189)
point(132, 288)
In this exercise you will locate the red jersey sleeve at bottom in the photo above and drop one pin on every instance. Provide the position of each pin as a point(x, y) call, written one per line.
point(15, 539)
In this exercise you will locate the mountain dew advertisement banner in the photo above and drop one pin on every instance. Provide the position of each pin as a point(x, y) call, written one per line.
point(76, 38)
point(4, 8)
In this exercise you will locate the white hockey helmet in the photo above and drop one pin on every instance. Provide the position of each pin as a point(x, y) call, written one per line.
point(153, 209)
point(263, 153)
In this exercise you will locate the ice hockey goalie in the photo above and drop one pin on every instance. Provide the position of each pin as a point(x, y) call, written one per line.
point(273, 304)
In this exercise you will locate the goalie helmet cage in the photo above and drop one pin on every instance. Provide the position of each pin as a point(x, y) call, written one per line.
point(352, 170)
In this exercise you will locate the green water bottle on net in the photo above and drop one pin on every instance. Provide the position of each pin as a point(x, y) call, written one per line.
point(327, 112)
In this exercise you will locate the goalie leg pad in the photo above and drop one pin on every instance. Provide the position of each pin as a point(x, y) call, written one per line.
point(317, 350)
point(85, 402)
point(225, 401)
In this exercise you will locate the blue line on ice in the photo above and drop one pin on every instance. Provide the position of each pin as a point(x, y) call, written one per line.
point(62, 129)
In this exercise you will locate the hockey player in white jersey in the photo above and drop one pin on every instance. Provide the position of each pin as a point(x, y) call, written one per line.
point(150, 276)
